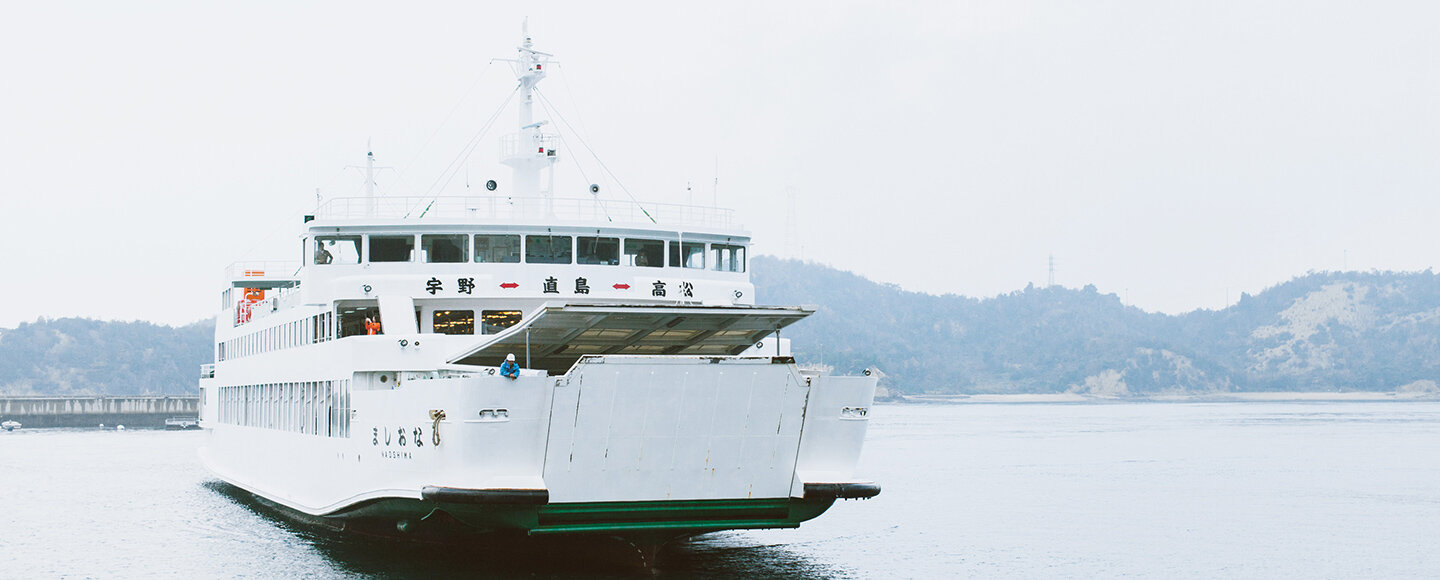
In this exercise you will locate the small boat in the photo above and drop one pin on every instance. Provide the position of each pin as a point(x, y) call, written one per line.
point(182, 423)
point(10, 425)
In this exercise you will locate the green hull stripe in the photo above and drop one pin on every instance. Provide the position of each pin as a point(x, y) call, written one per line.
point(676, 515)
point(665, 517)
point(689, 526)
point(581, 514)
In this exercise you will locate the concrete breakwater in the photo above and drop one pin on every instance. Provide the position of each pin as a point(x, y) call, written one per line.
point(92, 411)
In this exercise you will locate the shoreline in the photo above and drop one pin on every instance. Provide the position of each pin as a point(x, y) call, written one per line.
point(1254, 397)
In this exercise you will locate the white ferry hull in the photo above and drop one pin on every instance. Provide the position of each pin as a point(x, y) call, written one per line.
point(654, 446)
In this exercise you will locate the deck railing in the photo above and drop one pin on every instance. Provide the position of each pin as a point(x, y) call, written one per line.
point(262, 269)
point(506, 208)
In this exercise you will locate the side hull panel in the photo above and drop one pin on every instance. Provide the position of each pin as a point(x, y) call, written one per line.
point(646, 429)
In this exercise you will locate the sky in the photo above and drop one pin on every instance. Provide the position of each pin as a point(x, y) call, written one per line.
point(1175, 154)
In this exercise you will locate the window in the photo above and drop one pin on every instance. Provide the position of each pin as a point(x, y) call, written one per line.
point(694, 255)
point(352, 319)
point(494, 321)
point(646, 253)
point(547, 249)
point(727, 258)
point(597, 250)
point(454, 321)
point(391, 248)
point(337, 250)
point(497, 248)
point(444, 248)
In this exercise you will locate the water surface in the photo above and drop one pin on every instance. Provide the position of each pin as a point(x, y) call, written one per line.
point(981, 490)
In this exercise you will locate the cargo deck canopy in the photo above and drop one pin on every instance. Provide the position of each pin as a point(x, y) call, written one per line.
point(560, 334)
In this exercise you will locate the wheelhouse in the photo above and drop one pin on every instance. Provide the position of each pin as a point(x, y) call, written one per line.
point(476, 273)
point(507, 245)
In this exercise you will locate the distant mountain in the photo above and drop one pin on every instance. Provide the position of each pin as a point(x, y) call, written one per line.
point(1324, 331)
point(1320, 332)
point(76, 356)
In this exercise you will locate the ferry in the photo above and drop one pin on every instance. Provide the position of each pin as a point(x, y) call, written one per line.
point(524, 362)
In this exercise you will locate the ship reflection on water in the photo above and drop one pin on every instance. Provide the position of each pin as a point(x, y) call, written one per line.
point(502, 556)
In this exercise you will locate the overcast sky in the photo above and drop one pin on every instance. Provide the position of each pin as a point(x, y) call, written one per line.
point(1172, 153)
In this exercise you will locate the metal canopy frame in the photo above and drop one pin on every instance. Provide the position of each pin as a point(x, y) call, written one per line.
point(558, 335)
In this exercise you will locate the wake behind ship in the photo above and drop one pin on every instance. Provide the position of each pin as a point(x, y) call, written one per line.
point(366, 384)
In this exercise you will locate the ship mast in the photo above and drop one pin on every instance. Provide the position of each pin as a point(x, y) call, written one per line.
point(369, 168)
point(530, 152)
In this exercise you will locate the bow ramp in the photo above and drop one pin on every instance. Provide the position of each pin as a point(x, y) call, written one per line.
point(638, 428)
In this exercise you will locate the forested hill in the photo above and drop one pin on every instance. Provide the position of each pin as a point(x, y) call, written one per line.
point(1324, 331)
point(1376, 331)
point(76, 356)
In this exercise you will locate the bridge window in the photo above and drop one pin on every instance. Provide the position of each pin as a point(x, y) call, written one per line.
point(352, 318)
point(547, 249)
point(496, 248)
point(391, 248)
point(445, 248)
point(494, 321)
point(598, 250)
point(645, 253)
point(454, 321)
point(693, 252)
point(337, 250)
point(727, 258)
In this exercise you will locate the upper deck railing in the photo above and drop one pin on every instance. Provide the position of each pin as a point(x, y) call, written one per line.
point(528, 209)
point(262, 270)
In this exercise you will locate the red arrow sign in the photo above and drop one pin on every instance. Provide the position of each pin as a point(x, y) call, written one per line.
point(622, 286)
point(509, 285)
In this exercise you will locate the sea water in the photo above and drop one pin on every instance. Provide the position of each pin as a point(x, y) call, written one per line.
point(1029, 490)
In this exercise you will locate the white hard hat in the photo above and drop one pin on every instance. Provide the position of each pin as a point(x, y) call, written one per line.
point(510, 357)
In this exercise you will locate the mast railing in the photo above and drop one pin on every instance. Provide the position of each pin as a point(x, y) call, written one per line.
point(516, 145)
point(512, 209)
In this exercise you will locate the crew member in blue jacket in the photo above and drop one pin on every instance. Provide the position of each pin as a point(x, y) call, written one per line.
point(510, 369)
